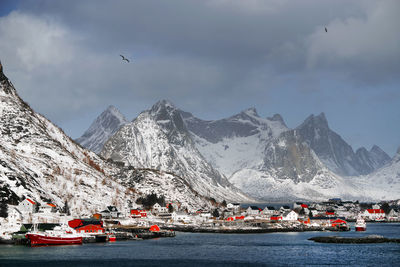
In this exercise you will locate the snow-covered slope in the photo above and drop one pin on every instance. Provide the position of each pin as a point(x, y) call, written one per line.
point(266, 160)
point(105, 125)
point(37, 160)
point(335, 153)
point(384, 183)
point(158, 139)
point(236, 142)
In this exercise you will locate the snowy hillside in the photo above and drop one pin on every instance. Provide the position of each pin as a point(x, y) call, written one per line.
point(38, 161)
point(158, 139)
point(234, 143)
point(101, 129)
point(384, 183)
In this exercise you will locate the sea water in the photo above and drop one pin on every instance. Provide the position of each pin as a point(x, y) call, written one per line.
point(197, 249)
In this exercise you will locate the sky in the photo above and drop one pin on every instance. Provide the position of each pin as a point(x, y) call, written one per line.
point(213, 58)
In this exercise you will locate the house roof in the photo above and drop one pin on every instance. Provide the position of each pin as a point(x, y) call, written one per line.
point(286, 207)
point(375, 210)
point(31, 201)
point(51, 205)
point(112, 208)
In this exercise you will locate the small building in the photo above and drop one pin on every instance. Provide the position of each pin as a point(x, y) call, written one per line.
point(374, 214)
point(157, 209)
point(15, 215)
point(235, 207)
point(253, 210)
point(393, 215)
point(47, 208)
point(276, 218)
point(290, 216)
point(27, 206)
point(180, 216)
point(269, 210)
point(90, 229)
point(111, 212)
point(136, 213)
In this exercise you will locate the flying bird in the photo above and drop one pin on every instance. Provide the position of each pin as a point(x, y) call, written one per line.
point(124, 58)
point(326, 30)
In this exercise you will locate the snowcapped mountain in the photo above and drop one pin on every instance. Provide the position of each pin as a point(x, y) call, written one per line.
point(236, 142)
point(292, 171)
point(101, 129)
point(335, 153)
point(38, 161)
point(266, 160)
point(384, 183)
point(158, 139)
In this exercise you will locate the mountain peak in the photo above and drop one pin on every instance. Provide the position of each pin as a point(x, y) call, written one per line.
point(277, 117)
point(251, 112)
point(2, 76)
point(319, 121)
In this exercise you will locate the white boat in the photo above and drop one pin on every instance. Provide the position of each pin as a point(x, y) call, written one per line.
point(360, 224)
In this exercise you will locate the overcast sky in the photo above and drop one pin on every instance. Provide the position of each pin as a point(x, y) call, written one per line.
point(213, 58)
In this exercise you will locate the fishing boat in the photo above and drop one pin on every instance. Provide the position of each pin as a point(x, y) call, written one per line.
point(360, 224)
point(60, 235)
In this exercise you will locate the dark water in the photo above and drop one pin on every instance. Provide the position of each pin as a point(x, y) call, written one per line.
point(187, 249)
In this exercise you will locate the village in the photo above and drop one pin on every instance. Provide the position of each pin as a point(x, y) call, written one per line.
point(146, 222)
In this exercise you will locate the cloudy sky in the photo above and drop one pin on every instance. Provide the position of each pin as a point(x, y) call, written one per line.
point(213, 58)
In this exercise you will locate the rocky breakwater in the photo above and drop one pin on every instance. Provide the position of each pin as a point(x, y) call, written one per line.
point(354, 240)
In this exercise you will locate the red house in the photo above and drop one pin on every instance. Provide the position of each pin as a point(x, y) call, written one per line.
point(276, 218)
point(239, 218)
point(90, 229)
point(305, 206)
point(135, 213)
point(230, 219)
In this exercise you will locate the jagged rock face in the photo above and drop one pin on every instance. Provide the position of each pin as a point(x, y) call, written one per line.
point(335, 153)
point(244, 124)
point(105, 125)
point(287, 157)
point(158, 139)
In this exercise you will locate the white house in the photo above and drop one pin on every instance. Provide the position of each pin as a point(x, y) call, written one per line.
point(374, 214)
point(235, 207)
point(393, 215)
point(15, 215)
point(252, 210)
point(269, 211)
point(180, 216)
point(110, 212)
point(27, 206)
point(290, 216)
point(157, 209)
point(47, 208)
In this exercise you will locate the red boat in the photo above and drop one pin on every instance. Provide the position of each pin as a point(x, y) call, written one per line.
point(360, 224)
point(47, 239)
point(60, 235)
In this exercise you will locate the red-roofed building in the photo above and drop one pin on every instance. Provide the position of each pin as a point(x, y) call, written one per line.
point(305, 206)
point(90, 229)
point(239, 218)
point(330, 213)
point(135, 213)
point(230, 219)
point(276, 218)
point(374, 214)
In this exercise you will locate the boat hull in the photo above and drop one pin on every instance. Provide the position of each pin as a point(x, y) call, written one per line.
point(38, 240)
point(360, 228)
